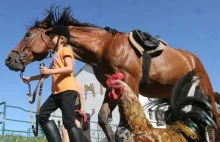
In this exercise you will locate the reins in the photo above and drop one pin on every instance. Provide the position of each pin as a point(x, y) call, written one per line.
point(31, 100)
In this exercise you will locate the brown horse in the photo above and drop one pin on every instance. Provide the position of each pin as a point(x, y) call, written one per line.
point(109, 51)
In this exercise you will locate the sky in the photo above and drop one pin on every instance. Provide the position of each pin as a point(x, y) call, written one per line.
point(192, 25)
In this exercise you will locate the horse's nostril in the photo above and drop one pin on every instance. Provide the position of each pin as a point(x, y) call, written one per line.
point(8, 60)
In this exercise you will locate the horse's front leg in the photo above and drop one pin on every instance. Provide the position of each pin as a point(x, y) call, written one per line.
point(106, 108)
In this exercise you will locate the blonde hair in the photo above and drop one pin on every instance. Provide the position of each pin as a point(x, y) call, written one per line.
point(65, 40)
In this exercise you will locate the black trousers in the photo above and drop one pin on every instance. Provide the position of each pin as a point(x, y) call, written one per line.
point(66, 102)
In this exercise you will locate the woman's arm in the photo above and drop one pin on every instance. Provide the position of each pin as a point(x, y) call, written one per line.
point(81, 99)
point(67, 69)
point(37, 77)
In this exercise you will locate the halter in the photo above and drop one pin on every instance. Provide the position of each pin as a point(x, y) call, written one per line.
point(23, 57)
point(28, 45)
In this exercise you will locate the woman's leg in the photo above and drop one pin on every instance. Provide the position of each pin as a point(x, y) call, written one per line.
point(77, 117)
point(65, 136)
point(46, 109)
point(67, 101)
point(67, 106)
point(78, 122)
point(49, 126)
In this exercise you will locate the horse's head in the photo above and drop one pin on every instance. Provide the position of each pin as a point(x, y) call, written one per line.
point(33, 47)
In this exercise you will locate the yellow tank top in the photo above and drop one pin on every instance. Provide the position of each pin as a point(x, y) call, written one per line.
point(62, 82)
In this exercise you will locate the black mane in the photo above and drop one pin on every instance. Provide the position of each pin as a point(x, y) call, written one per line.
point(64, 17)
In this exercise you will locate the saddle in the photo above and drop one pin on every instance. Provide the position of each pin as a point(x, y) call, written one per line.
point(148, 47)
point(146, 43)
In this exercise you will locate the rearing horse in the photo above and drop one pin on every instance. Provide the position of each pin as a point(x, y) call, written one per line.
point(109, 51)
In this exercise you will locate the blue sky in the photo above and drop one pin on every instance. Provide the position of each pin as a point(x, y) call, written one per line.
point(187, 24)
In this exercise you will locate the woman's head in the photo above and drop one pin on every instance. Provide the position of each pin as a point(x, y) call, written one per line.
point(59, 33)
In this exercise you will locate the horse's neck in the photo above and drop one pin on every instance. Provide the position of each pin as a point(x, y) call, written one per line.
point(89, 37)
point(89, 42)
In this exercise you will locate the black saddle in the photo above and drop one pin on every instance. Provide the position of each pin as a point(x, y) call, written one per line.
point(145, 40)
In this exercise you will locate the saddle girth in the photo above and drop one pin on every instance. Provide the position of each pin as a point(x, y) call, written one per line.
point(145, 70)
point(148, 47)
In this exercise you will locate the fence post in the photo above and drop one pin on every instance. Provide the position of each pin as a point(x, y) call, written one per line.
point(4, 118)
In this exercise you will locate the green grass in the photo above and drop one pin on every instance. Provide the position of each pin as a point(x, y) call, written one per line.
point(17, 138)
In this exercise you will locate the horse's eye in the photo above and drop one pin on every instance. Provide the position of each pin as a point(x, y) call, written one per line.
point(27, 34)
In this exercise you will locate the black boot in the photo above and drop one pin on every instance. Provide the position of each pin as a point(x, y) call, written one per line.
point(75, 134)
point(51, 131)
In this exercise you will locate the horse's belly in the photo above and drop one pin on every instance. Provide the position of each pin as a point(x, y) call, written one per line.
point(156, 91)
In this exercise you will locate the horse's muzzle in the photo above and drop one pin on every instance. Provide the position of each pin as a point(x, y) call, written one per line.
point(13, 63)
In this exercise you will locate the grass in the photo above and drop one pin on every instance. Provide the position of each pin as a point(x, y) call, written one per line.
point(18, 138)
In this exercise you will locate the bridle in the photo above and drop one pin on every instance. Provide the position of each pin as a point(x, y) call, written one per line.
point(23, 57)
point(31, 95)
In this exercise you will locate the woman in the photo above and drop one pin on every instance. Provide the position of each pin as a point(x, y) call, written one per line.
point(64, 87)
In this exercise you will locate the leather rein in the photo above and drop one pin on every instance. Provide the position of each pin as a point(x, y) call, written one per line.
point(31, 99)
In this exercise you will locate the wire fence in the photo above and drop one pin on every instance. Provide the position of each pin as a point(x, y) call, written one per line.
point(95, 132)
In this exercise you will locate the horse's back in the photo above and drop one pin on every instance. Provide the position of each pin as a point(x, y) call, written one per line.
point(170, 66)
point(205, 82)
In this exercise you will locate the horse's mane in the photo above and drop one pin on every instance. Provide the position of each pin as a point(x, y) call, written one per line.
point(64, 17)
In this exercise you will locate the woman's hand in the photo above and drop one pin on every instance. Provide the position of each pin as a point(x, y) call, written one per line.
point(26, 79)
point(82, 110)
point(45, 70)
